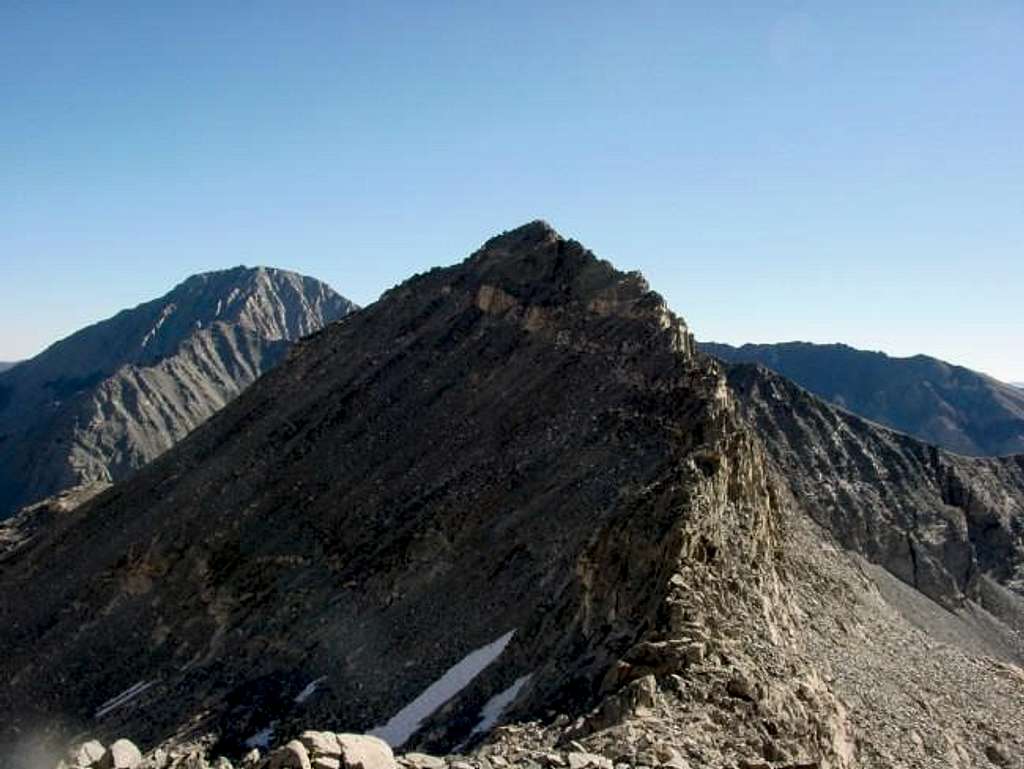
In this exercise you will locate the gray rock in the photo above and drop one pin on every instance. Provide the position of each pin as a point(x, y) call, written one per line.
point(320, 743)
point(589, 760)
point(122, 754)
point(292, 755)
point(361, 751)
point(422, 761)
point(86, 754)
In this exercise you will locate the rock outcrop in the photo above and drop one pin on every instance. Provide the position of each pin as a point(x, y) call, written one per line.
point(949, 406)
point(101, 403)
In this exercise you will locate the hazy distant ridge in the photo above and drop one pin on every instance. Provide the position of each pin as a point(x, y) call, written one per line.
point(950, 406)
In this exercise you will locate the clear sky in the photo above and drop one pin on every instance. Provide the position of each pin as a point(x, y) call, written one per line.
point(827, 171)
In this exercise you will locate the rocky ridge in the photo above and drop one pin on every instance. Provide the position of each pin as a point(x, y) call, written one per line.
point(518, 474)
point(949, 406)
point(101, 403)
point(573, 473)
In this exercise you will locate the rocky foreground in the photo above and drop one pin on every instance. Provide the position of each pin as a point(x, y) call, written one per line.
point(327, 750)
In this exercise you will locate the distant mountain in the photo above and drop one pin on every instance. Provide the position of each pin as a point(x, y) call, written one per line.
point(1018, 384)
point(111, 397)
point(4, 365)
point(950, 406)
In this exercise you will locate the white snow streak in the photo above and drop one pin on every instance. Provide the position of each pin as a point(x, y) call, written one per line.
point(123, 698)
point(407, 720)
point(496, 705)
point(306, 693)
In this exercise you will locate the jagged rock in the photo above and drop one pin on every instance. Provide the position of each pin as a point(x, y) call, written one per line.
point(292, 755)
point(86, 754)
point(361, 751)
point(122, 754)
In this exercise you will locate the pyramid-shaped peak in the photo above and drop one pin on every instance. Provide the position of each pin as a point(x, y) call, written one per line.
point(534, 262)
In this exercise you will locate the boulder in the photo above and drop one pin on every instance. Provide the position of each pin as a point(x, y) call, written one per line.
point(326, 762)
point(86, 754)
point(291, 756)
point(361, 751)
point(122, 754)
point(320, 744)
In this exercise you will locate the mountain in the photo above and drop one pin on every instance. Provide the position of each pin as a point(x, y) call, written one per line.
point(946, 405)
point(113, 396)
point(510, 511)
point(4, 365)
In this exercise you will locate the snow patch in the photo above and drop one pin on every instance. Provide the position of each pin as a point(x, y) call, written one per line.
point(123, 698)
point(495, 706)
point(306, 693)
point(408, 720)
point(262, 738)
point(164, 315)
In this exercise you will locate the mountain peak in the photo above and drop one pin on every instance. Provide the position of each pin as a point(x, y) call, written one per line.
point(161, 367)
point(533, 232)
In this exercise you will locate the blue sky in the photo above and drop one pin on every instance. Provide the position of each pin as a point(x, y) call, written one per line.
point(822, 171)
